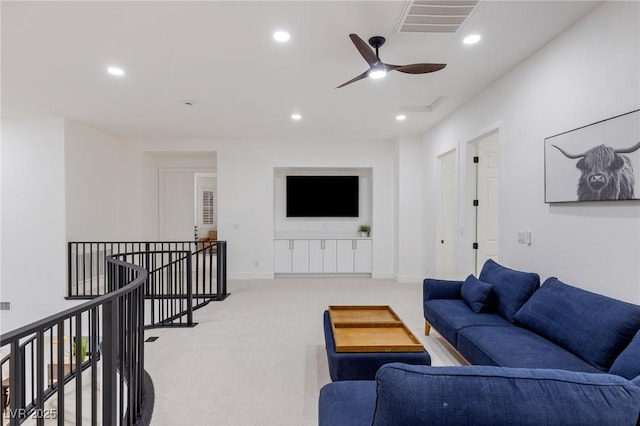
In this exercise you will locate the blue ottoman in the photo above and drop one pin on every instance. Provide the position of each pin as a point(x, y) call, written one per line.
point(363, 365)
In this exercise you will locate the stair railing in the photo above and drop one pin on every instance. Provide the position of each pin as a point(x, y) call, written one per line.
point(181, 275)
point(98, 344)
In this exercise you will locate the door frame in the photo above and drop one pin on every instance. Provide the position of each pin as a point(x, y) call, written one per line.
point(162, 171)
point(469, 149)
point(456, 216)
point(197, 201)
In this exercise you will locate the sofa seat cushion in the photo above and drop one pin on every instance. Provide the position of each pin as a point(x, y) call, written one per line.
point(449, 316)
point(511, 289)
point(516, 347)
point(594, 327)
point(627, 364)
point(476, 293)
point(350, 403)
point(480, 395)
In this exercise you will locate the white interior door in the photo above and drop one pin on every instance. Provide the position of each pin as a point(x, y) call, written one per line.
point(206, 217)
point(447, 249)
point(176, 205)
point(488, 196)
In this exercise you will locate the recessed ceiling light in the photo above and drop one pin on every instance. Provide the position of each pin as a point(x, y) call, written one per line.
point(281, 36)
point(471, 39)
point(401, 117)
point(296, 116)
point(117, 71)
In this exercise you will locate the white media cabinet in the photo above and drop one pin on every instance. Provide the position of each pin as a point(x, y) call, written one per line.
point(322, 255)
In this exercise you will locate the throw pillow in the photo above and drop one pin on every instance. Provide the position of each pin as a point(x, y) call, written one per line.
point(511, 288)
point(476, 294)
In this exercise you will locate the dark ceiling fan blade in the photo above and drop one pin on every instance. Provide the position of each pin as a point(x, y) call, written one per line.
point(360, 77)
point(367, 53)
point(418, 68)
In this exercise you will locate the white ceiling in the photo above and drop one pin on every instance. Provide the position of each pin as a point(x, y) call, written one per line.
point(243, 84)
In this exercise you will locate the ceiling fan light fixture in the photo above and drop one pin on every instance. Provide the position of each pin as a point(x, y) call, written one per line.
point(377, 72)
point(296, 116)
point(401, 117)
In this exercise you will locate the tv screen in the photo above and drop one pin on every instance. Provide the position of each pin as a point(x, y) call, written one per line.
point(322, 196)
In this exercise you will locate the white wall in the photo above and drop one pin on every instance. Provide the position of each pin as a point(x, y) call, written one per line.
point(245, 171)
point(588, 73)
point(409, 262)
point(33, 267)
point(92, 170)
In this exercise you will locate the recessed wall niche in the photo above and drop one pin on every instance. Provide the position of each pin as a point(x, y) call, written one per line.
point(325, 227)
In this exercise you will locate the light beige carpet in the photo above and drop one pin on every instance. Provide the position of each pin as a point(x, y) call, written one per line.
point(258, 357)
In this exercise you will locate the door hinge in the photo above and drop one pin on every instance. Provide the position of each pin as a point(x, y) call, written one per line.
point(475, 246)
point(476, 159)
point(475, 203)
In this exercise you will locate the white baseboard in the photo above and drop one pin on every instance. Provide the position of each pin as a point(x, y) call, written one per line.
point(383, 276)
point(250, 276)
point(409, 278)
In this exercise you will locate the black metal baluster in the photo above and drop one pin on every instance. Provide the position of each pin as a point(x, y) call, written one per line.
point(39, 370)
point(60, 366)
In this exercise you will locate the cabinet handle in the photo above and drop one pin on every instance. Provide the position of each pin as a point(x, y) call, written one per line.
point(354, 244)
point(290, 244)
point(322, 246)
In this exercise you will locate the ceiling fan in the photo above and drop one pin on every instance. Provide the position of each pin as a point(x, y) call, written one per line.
point(377, 68)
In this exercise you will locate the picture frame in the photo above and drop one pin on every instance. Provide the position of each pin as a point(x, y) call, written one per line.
point(596, 162)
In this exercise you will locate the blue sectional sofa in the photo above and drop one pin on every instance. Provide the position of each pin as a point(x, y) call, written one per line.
point(480, 396)
point(518, 323)
point(550, 354)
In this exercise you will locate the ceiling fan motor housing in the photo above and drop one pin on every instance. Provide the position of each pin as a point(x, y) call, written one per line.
point(376, 41)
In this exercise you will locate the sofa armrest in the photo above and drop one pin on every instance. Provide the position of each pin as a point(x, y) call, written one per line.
point(441, 289)
point(496, 396)
point(349, 403)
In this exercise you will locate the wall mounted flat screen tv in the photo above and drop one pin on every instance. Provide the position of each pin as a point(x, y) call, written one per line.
point(322, 196)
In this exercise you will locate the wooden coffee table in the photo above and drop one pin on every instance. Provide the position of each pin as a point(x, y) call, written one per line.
point(370, 329)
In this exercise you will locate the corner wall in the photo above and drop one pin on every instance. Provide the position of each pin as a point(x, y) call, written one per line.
point(33, 266)
point(92, 171)
point(409, 211)
point(588, 73)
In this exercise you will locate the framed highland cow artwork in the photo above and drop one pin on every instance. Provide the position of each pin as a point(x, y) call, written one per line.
point(596, 162)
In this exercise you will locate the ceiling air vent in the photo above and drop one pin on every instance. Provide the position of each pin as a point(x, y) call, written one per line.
point(435, 16)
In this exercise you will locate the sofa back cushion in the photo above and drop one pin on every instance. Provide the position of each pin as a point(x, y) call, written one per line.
point(510, 288)
point(483, 395)
point(476, 294)
point(594, 327)
point(627, 364)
